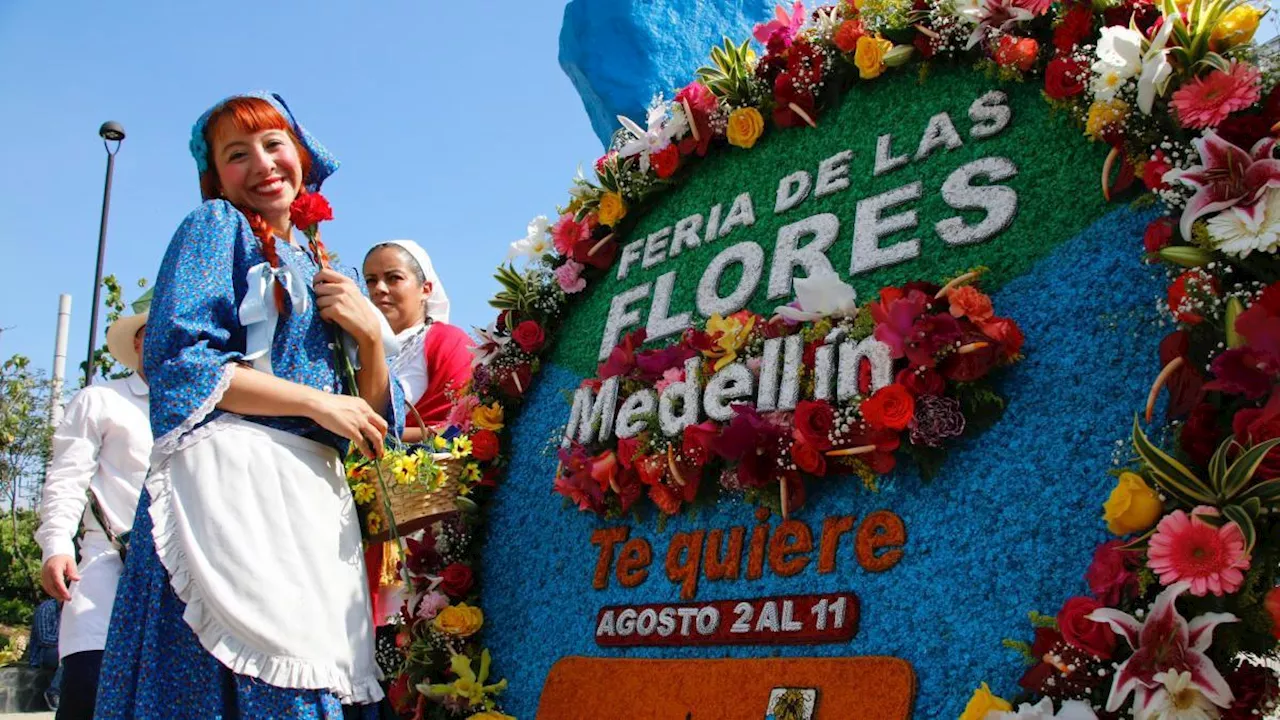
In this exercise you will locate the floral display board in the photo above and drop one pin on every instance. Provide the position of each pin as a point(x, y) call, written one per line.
point(929, 339)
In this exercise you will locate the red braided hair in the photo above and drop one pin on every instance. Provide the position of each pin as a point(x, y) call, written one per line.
point(250, 115)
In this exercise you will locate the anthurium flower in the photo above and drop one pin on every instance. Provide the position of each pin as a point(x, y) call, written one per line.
point(1164, 642)
point(820, 295)
point(1228, 177)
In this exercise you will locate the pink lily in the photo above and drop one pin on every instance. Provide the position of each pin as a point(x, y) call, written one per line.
point(1228, 177)
point(1162, 642)
point(789, 26)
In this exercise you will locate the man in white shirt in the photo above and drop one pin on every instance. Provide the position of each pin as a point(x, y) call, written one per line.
point(101, 453)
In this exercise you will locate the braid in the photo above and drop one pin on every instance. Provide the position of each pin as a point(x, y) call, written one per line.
point(267, 241)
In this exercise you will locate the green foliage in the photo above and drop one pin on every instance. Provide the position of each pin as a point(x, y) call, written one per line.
point(1023, 649)
point(103, 364)
point(19, 567)
point(732, 73)
point(1042, 621)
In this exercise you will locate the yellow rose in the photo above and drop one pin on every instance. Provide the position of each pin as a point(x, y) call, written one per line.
point(1132, 507)
point(1236, 27)
point(869, 56)
point(745, 127)
point(612, 209)
point(488, 417)
point(982, 703)
point(491, 715)
point(461, 620)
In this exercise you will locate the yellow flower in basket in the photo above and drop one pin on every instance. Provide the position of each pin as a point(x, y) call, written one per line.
point(404, 469)
point(363, 493)
point(374, 523)
point(488, 417)
point(461, 620)
point(461, 447)
point(471, 473)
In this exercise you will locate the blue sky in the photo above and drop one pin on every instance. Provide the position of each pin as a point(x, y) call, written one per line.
point(454, 122)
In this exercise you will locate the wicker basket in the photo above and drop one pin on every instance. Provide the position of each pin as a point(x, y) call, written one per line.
point(415, 508)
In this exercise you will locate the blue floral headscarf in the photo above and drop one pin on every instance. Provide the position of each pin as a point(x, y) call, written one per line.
point(323, 164)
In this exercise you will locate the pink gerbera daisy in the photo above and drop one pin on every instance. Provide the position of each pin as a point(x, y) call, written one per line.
point(1185, 547)
point(1207, 101)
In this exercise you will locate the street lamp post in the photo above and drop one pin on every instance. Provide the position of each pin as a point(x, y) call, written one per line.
point(110, 132)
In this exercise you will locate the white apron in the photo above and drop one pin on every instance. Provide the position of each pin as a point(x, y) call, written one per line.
point(258, 532)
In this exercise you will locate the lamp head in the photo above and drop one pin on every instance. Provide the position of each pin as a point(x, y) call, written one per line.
point(111, 131)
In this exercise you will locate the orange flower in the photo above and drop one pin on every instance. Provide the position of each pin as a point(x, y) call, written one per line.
point(969, 301)
point(847, 36)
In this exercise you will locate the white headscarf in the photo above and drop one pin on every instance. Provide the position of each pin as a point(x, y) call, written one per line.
point(437, 301)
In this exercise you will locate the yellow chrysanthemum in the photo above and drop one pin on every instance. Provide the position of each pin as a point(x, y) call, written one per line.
point(1105, 115)
point(363, 493)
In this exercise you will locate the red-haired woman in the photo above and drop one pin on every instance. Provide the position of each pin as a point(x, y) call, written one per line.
point(243, 595)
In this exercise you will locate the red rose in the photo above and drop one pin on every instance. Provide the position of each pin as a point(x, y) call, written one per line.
point(529, 336)
point(814, 420)
point(1007, 333)
point(309, 209)
point(891, 407)
point(1200, 436)
point(1016, 52)
point(808, 458)
point(1153, 171)
point(1077, 25)
point(665, 161)
point(1256, 425)
point(1272, 603)
point(1080, 632)
point(921, 381)
point(456, 580)
point(484, 445)
point(1159, 233)
point(1111, 575)
point(1064, 78)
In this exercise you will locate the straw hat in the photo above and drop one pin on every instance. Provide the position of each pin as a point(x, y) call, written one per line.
point(121, 333)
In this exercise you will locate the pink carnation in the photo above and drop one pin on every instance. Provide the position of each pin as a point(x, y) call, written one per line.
point(1207, 101)
point(1185, 547)
point(431, 604)
point(460, 415)
point(569, 275)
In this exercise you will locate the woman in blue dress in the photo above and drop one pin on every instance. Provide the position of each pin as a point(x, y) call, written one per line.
point(244, 593)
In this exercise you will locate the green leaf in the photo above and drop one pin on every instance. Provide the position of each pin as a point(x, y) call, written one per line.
point(1170, 474)
point(1237, 515)
point(1242, 470)
point(1218, 466)
point(1267, 493)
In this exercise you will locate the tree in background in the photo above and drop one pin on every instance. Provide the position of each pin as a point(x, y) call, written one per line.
point(25, 435)
point(105, 365)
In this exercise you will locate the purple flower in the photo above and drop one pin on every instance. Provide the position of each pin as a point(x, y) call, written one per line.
point(937, 418)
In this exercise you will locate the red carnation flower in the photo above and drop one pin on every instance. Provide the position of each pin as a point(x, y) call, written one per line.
point(309, 209)
point(665, 161)
point(484, 445)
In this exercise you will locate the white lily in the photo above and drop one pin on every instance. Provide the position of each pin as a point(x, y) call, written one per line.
point(1043, 710)
point(653, 138)
point(490, 345)
point(822, 294)
point(535, 243)
point(1156, 70)
point(1121, 48)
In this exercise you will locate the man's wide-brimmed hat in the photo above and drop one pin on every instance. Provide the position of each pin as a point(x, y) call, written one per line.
point(121, 333)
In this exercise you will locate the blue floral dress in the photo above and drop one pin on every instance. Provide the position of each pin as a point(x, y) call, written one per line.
point(154, 665)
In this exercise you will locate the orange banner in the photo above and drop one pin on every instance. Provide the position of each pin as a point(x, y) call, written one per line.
point(851, 688)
